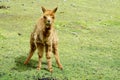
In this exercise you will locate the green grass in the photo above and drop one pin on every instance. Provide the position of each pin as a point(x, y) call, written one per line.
point(89, 41)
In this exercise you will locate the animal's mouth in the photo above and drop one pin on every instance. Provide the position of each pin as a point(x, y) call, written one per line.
point(48, 26)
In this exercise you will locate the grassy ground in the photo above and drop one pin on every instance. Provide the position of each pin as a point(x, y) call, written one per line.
point(89, 43)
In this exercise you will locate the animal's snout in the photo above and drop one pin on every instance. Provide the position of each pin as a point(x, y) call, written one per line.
point(48, 21)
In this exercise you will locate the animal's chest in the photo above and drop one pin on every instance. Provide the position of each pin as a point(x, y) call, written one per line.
point(44, 38)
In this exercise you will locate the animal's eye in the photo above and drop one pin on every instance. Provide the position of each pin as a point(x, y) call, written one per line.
point(44, 17)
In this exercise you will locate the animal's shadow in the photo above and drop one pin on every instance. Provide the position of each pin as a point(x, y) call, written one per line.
point(20, 66)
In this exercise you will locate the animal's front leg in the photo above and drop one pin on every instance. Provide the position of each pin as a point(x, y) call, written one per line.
point(48, 56)
point(55, 51)
point(40, 55)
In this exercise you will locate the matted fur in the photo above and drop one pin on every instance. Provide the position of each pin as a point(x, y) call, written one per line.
point(44, 36)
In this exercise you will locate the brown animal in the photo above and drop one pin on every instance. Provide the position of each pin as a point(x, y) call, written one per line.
point(44, 36)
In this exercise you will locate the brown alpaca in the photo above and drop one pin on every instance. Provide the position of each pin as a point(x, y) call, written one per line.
point(44, 36)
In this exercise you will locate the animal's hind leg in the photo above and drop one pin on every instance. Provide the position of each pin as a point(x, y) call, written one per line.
point(32, 50)
point(56, 54)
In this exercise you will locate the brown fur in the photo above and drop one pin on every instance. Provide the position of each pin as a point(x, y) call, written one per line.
point(44, 36)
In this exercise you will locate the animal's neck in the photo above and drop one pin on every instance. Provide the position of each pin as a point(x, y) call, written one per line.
point(47, 31)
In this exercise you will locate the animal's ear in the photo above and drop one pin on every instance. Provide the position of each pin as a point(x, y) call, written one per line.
point(43, 9)
point(54, 10)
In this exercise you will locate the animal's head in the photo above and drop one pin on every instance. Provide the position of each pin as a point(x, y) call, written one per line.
point(48, 16)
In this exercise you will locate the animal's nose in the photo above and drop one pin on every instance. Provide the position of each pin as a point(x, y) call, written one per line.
point(48, 21)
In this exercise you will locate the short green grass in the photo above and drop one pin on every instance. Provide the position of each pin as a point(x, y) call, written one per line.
point(89, 39)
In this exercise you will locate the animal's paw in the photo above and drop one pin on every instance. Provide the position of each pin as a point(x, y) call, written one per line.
point(61, 67)
point(38, 68)
point(25, 62)
point(50, 69)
